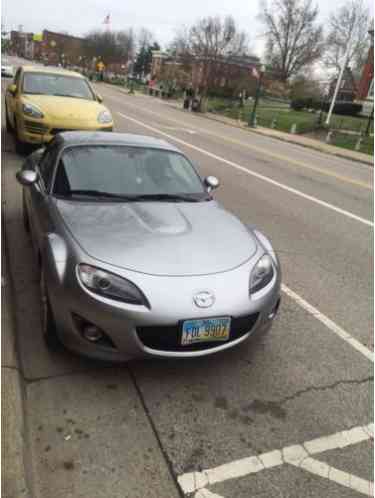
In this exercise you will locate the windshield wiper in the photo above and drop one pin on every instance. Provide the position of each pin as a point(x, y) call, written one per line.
point(67, 95)
point(138, 198)
point(99, 193)
point(167, 197)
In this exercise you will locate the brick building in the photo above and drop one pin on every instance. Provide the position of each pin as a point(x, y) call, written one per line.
point(227, 73)
point(365, 93)
point(60, 48)
point(348, 88)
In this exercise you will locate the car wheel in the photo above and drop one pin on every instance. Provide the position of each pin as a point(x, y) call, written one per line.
point(21, 147)
point(50, 336)
point(25, 216)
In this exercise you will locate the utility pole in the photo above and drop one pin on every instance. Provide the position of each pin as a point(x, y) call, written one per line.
point(343, 67)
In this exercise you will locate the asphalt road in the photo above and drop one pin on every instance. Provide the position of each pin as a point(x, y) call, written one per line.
point(162, 428)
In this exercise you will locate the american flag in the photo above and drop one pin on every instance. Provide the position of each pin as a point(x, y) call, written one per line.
point(107, 19)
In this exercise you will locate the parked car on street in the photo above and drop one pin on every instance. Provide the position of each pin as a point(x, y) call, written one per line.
point(44, 101)
point(6, 69)
point(136, 257)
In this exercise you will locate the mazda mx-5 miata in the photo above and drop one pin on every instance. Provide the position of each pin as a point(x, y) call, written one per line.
point(136, 257)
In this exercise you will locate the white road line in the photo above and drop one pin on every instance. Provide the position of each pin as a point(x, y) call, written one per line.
point(294, 455)
point(326, 471)
point(205, 493)
point(331, 325)
point(294, 191)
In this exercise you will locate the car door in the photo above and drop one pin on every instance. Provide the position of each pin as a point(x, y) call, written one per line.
point(11, 100)
point(39, 195)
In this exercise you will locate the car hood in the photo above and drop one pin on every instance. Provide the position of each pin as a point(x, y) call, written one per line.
point(66, 109)
point(160, 238)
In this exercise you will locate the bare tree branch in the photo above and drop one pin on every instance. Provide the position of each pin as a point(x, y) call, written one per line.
point(350, 23)
point(294, 39)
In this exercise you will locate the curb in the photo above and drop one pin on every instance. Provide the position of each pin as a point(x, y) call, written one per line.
point(283, 138)
point(15, 478)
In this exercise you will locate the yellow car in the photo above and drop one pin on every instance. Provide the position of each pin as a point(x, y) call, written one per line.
point(44, 101)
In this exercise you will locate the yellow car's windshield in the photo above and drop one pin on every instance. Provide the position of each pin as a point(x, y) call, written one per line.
point(56, 84)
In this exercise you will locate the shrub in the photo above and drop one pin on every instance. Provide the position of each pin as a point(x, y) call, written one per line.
point(344, 108)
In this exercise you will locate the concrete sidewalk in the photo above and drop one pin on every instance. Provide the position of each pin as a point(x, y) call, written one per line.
point(279, 135)
point(14, 483)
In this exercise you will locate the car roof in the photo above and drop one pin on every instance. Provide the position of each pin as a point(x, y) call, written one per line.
point(72, 138)
point(50, 70)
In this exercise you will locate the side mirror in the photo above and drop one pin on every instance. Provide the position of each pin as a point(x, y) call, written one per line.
point(211, 183)
point(12, 89)
point(99, 98)
point(27, 177)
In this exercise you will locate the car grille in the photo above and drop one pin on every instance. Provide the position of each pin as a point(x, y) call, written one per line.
point(33, 127)
point(168, 338)
point(54, 131)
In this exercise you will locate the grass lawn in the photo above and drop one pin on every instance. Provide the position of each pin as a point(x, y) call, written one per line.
point(267, 110)
point(349, 142)
point(305, 121)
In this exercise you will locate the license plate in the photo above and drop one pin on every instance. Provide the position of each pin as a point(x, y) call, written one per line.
point(205, 330)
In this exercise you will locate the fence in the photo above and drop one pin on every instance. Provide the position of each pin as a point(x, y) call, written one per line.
point(354, 133)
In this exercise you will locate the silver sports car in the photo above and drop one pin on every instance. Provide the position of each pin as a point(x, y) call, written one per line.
point(136, 257)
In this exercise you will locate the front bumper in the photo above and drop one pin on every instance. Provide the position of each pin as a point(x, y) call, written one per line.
point(136, 331)
point(37, 131)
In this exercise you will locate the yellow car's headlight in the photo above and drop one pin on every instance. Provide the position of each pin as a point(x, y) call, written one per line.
point(105, 117)
point(32, 110)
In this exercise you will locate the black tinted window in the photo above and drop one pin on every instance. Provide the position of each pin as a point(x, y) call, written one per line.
point(56, 84)
point(126, 171)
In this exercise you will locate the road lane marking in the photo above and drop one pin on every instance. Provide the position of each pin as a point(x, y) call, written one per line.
point(205, 493)
point(298, 455)
point(330, 324)
point(326, 471)
point(263, 151)
point(294, 191)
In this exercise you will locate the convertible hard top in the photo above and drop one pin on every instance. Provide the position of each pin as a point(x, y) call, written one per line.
point(70, 138)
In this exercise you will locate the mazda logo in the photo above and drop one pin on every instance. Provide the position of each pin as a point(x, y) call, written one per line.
point(204, 299)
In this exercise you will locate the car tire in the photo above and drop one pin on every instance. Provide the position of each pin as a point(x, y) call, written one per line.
point(49, 331)
point(21, 147)
point(25, 216)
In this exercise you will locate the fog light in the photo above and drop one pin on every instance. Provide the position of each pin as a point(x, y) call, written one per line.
point(92, 333)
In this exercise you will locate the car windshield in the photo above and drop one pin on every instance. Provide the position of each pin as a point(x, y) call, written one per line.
point(56, 84)
point(126, 173)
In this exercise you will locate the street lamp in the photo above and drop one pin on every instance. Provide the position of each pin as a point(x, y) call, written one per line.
point(252, 120)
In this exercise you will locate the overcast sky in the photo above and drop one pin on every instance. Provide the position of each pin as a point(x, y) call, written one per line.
point(162, 17)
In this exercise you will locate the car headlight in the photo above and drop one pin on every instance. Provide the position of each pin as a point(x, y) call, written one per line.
point(32, 110)
point(262, 274)
point(109, 285)
point(104, 117)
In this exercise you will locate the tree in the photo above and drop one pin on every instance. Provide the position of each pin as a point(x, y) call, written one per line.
point(348, 27)
point(110, 46)
point(142, 65)
point(209, 44)
point(294, 39)
point(305, 87)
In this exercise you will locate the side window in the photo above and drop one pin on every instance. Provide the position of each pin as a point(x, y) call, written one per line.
point(47, 165)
